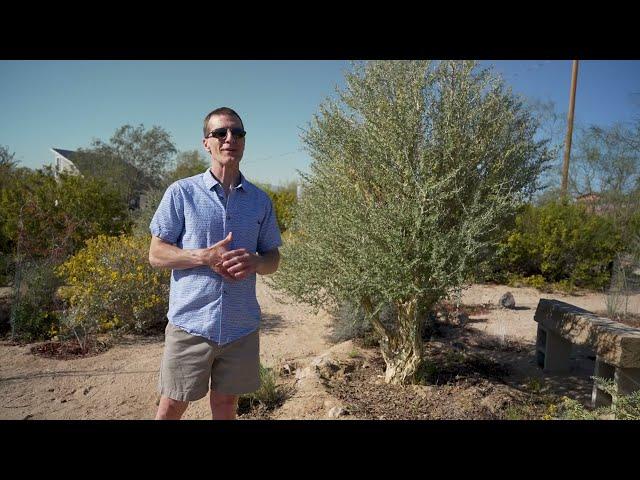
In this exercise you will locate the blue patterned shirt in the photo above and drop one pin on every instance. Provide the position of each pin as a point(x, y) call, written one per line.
point(194, 213)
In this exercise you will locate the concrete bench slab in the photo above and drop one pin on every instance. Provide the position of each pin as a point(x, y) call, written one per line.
point(617, 346)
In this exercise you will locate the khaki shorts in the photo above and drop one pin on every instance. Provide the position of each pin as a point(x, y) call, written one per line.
point(189, 362)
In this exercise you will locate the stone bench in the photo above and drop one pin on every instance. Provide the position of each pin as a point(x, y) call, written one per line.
point(616, 346)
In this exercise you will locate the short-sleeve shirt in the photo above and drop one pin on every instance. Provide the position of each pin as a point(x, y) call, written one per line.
point(195, 213)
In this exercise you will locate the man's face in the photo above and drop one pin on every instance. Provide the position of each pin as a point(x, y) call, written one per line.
point(228, 150)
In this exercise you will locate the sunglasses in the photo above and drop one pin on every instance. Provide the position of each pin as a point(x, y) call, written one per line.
point(221, 133)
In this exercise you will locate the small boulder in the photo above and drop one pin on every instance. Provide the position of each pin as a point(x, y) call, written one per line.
point(460, 319)
point(507, 300)
point(336, 412)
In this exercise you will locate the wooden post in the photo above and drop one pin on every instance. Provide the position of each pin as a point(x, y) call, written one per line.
point(567, 143)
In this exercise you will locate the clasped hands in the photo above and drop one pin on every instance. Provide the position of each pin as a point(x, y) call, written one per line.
point(230, 264)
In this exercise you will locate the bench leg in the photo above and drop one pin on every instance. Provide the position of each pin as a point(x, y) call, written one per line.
point(556, 353)
point(627, 380)
point(600, 398)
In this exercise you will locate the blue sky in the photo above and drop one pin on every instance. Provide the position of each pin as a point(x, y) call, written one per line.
point(66, 104)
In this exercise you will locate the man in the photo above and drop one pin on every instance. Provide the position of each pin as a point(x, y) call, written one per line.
point(216, 231)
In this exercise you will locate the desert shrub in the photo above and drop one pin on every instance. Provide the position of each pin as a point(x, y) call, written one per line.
point(142, 217)
point(270, 395)
point(34, 312)
point(556, 242)
point(45, 217)
point(113, 286)
point(627, 407)
point(403, 217)
point(534, 281)
point(284, 200)
point(7, 269)
point(349, 322)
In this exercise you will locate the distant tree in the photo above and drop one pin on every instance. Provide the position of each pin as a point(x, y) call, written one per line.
point(104, 165)
point(8, 164)
point(606, 159)
point(414, 168)
point(134, 160)
point(188, 163)
point(552, 127)
point(151, 152)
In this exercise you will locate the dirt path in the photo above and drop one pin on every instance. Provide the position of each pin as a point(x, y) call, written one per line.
point(121, 383)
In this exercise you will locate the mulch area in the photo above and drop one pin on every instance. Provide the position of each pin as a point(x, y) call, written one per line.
point(69, 349)
point(459, 386)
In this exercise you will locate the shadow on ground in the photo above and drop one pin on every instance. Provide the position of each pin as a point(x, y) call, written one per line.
point(519, 360)
point(271, 323)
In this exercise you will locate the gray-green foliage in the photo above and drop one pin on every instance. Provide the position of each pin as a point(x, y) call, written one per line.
point(414, 168)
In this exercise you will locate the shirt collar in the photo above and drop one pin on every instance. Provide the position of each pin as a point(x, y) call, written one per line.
point(210, 181)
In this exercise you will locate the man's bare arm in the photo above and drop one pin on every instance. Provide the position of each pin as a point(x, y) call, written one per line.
point(269, 262)
point(240, 263)
point(165, 255)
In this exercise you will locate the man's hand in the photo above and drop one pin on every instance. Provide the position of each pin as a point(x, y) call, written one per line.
point(240, 263)
point(213, 256)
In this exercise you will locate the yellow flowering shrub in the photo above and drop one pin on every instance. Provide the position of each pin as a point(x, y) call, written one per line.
point(111, 285)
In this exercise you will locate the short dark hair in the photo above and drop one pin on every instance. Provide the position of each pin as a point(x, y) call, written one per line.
point(219, 111)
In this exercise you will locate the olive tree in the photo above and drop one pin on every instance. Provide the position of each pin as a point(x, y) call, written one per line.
point(415, 166)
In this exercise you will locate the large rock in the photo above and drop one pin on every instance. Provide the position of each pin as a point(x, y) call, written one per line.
point(507, 300)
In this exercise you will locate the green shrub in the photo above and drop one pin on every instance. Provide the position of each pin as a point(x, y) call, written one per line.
point(284, 200)
point(7, 269)
point(627, 407)
point(113, 286)
point(45, 217)
point(34, 313)
point(562, 242)
point(270, 394)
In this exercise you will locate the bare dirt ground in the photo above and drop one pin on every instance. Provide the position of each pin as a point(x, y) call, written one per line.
point(492, 358)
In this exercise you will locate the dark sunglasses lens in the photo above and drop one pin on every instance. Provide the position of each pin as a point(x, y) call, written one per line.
point(219, 133)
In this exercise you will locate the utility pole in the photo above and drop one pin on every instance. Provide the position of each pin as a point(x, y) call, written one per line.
point(567, 143)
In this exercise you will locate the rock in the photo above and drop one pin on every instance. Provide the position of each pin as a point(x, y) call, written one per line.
point(287, 369)
point(348, 368)
point(336, 412)
point(325, 366)
point(304, 373)
point(460, 319)
point(507, 300)
point(607, 416)
point(51, 390)
point(6, 294)
point(27, 417)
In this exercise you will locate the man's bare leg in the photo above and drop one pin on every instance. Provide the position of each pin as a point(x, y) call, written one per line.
point(170, 409)
point(223, 407)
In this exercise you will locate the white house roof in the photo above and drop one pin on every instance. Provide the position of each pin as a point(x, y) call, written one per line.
point(64, 153)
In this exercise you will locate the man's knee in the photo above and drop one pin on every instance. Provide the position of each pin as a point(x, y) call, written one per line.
point(222, 399)
point(169, 408)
